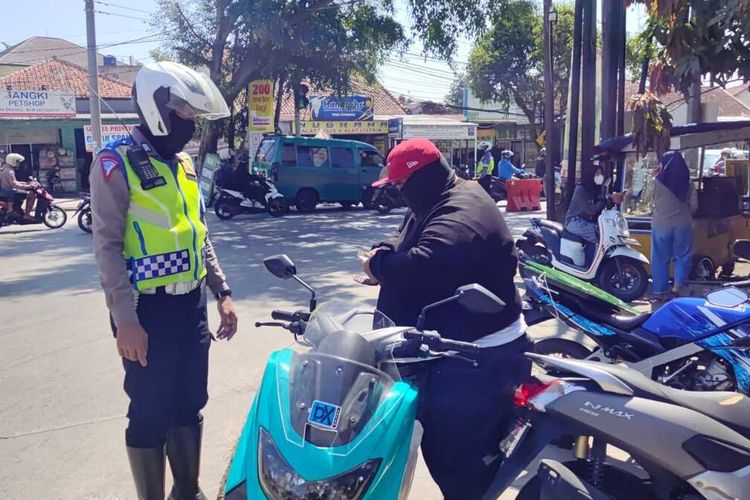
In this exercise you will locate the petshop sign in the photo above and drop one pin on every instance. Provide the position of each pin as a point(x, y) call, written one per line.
point(37, 104)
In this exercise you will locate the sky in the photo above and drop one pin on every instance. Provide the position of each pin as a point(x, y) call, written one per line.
point(123, 30)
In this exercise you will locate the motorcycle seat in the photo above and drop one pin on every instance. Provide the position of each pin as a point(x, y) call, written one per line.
point(550, 224)
point(730, 408)
point(622, 322)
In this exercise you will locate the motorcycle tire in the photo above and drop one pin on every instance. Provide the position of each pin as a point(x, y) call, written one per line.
point(223, 210)
point(306, 200)
point(633, 271)
point(54, 217)
point(383, 206)
point(278, 207)
point(84, 220)
point(367, 195)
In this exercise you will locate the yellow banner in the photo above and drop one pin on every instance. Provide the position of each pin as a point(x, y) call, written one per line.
point(486, 134)
point(345, 128)
point(260, 106)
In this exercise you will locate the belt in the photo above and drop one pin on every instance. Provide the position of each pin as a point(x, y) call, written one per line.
point(181, 288)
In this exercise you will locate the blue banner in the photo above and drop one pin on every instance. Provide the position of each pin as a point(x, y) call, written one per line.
point(347, 108)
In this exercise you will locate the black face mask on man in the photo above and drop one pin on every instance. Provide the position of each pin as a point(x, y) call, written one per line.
point(180, 133)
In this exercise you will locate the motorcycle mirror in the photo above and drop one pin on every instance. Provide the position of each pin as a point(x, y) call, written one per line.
point(280, 266)
point(478, 299)
point(727, 297)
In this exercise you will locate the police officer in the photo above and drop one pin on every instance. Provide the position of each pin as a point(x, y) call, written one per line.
point(156, 260)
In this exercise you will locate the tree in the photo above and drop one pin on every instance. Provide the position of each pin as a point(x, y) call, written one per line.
point(455, 95)
point(242, 40)
point(698, 38)
point(507, 64)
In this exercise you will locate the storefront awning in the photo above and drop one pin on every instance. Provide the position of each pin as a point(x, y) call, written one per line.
point(437, 128)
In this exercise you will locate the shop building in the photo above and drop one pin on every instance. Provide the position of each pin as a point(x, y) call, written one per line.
point(44, 115)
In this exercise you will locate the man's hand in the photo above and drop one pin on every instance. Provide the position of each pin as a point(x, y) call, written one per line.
point(132, 343)
point(366, 265)
point(618, 197)
point(228, 315)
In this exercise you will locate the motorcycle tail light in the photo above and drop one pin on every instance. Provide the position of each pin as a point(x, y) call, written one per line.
point(537, 395)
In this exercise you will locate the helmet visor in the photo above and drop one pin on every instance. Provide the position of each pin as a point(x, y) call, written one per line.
point(204, 100)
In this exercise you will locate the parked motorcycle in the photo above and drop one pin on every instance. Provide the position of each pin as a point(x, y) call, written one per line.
point(613, 264)
point(54, 182)
point(684, 445)
point(45, 212)
point(683, 344)
point(386, 198)
point(83, 212)
point(337, 421)
point(259, 195)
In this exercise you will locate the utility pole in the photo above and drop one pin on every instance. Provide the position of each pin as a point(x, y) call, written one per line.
point(96, 116)
point(549, 113)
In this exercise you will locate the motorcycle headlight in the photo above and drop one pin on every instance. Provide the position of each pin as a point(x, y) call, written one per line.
point(622, 224)
point(279, 480)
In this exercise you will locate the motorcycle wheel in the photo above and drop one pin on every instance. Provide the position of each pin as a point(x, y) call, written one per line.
point(84, 220)
point(54, 217)
point(306, 201)
point(223, 210)
point(383, 206)
point(624, 278)
point(367, 195)
point(616, 482)
point(278, 207)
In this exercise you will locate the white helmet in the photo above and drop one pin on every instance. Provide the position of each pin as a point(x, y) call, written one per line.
point(161, 86)
point(14, 159)
point(507, 153)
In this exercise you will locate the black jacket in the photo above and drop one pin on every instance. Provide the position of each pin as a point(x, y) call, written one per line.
point(454, 235)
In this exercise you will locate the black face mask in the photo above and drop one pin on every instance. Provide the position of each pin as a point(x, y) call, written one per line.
point(180, 133)
point(425, 186)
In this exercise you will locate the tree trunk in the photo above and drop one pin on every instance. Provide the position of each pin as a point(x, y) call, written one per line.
point(279, 98)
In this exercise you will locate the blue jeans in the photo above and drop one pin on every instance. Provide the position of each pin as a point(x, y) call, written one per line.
point(587, 230)
point(668, 244)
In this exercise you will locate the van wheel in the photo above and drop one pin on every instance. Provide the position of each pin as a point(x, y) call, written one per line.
point(306, 200)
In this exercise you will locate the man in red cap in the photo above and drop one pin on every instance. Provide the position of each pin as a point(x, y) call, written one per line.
point(454, 235)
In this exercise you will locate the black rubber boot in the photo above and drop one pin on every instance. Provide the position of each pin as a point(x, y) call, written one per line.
point(147, 466)
point(184, 453)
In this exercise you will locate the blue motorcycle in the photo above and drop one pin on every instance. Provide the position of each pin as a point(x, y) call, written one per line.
point(338, 421)
point(687, 343)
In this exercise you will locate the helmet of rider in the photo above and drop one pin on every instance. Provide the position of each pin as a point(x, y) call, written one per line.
point(165, 86)
point(726, 152)
point(14, 160)
point(484, 146)
point(542, 151)
point(507, 154)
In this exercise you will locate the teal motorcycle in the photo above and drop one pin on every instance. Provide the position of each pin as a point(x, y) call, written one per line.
point(338, 421)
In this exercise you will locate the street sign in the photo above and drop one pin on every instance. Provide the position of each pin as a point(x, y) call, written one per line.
point(37, 104)
point(260, 106)
point(347, 108)
point(345, 128)
point(109, 133)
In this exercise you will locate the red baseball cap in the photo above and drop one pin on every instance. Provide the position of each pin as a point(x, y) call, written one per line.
point(408, 157)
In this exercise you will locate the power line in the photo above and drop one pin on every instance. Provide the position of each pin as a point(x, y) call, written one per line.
point(122, 15)
point(118, 6)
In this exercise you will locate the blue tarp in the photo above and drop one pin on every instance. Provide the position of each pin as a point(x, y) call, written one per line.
point(616, 144)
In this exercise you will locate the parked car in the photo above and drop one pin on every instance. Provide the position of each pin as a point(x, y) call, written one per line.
point(308, 170)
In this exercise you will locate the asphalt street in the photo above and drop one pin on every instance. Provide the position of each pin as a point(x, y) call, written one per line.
point(61, 401)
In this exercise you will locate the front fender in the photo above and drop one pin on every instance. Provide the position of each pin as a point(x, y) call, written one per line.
point(622, 251)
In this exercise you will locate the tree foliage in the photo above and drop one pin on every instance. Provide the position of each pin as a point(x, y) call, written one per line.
point(455, 95)
point(697, 38)
point(507, 63)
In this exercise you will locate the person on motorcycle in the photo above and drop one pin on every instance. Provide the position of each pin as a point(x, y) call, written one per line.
point(11, 188)
point(454, 235)
point(506, 169)
point(541, 165)
point(486, 164)
point(156, 260)
point(588, 201)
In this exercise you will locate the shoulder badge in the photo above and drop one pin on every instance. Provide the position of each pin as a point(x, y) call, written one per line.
point(108, 163)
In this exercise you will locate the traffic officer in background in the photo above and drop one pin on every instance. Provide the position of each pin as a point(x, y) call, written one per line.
point(155, 261)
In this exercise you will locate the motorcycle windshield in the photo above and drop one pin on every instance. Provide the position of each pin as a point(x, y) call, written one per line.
point(335, 391)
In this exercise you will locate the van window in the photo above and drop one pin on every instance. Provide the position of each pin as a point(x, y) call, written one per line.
point(371, 158)
point(308, 156)
point(266, 150)
point(342, 158)
point(288, 155)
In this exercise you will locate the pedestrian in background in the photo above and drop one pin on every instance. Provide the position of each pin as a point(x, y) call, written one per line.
point(671, 225)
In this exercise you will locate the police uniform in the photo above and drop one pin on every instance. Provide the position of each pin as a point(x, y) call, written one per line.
point(155, 260)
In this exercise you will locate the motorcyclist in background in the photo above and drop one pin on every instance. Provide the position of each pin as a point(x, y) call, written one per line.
point(541, 165)
point(11, 187)
point(506, 169)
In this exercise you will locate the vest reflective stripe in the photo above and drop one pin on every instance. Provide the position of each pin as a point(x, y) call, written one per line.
point(165, 238)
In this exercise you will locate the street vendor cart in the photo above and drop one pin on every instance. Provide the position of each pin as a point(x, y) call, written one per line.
point(723, 214)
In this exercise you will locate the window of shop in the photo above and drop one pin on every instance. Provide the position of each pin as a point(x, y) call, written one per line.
point(342, 158)
point(308, 156)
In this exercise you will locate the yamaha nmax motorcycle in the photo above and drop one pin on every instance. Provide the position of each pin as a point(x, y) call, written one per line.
point(338, 421)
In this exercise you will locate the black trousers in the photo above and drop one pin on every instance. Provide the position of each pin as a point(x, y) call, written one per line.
point(172, 389)
point(466, 411)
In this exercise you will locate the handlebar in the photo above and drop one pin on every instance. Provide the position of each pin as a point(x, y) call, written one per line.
point(435, 341)
point(457, 345)
point(290, 316)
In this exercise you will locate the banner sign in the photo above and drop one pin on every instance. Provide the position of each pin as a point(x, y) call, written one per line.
point(345, 128)
point(209, 168)
point(348, 108)
point(37, 104)
point(459, 131)
point(260, 106)
point(109, 133)
point(395, 126)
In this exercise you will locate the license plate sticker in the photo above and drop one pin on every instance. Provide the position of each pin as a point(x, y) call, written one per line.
point(324, 415)
point(512, 440)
